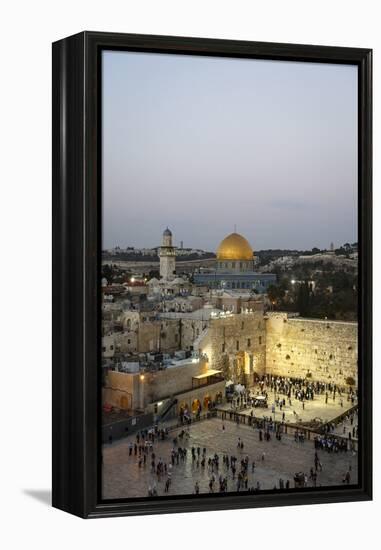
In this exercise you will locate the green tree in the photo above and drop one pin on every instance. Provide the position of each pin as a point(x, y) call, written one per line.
point(303, 299)
point(108, 273)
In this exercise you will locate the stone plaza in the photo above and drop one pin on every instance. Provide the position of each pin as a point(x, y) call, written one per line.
point(274, 460)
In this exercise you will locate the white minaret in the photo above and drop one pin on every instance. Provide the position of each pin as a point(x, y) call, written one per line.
point(167, 256)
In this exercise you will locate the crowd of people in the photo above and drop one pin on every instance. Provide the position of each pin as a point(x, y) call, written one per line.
point(228, 472)
point(330, 443)
point(348, 425)
point(284, 392)
point(222, 472)
point(303, 388)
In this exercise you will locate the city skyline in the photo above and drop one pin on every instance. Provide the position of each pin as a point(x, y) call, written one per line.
point(275, 152)
point(178, 241)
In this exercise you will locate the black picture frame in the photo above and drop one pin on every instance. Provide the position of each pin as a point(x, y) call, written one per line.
point(76, 268)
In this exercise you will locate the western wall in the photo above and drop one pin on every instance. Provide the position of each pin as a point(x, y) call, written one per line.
point(244, 345)
point(311, 348)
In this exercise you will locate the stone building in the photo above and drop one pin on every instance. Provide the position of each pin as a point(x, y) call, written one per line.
point(191, 324)
point(145, 332)
point(167, 256)
point(235, 268)
point(236, 302)
point(189, 383)
point(236, 344)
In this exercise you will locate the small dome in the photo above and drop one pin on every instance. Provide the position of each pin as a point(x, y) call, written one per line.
point(167, 233)
point(234, 247)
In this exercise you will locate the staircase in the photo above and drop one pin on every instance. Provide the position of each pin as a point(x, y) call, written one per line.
point(197, 344)
point(168, 409)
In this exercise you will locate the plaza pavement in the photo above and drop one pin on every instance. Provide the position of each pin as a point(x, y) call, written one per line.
point(122, 477)
point(316, 408)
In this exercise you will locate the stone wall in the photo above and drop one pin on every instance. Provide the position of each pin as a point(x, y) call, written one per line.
point(316, 349)
point(149, 336)
point(172, 381)
point(122, 391)
point(190, 331)
point(137, 390)
point(236, 345)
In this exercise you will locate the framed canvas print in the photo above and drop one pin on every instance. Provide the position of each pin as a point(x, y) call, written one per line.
point(211, 274)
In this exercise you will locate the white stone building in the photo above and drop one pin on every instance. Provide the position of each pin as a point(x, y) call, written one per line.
point(167, 256)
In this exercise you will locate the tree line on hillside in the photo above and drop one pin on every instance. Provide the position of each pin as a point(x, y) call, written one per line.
point(332, 295)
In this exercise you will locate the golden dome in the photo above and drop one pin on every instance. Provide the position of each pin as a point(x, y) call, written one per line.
point(234, 247)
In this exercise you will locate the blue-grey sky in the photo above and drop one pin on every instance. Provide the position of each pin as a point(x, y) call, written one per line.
point(202, 143)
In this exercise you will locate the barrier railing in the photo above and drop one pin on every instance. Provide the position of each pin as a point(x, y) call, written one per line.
point(282, 427)
point(193, 420)
point(339, 418)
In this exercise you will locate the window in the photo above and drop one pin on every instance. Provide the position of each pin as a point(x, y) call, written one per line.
point(248, 342)
point(128, 341)
point(242, 325)
point(260, 340)
point(237, 345)
point(223, 347)
point(103, 348)
point(233, 264)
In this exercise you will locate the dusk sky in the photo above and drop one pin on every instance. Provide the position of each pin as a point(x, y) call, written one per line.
point(201, 143)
